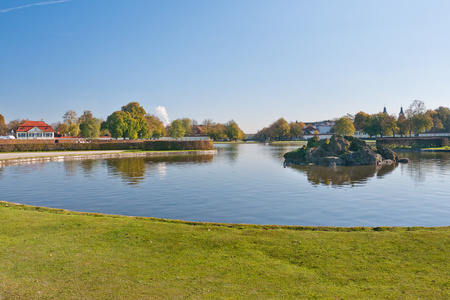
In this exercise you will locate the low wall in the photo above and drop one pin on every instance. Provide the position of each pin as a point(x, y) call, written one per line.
point(415, 142)
point(71, 145)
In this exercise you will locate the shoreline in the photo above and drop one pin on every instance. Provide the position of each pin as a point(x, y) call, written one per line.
point(20, 206)
point(18, 158)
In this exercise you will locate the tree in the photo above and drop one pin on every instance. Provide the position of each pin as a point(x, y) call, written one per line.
point(281, 128)
point(344, 126)
point(155, 126)
point(420, 121)
point(443, 113)
point(403, 125)
point(233, 131)
point(3, 129)
point(14, 125)
point(71, 120)
point(177, 129)
point(296, 129)
point(187, 124)
point(361, 120)
point(389, 125)
point(129, 122)
point(89, 126)
point(373, 125)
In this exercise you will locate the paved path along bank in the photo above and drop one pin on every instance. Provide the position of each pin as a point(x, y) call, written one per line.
point(32, 157)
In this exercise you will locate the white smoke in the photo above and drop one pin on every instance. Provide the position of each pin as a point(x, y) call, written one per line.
point(162, 114)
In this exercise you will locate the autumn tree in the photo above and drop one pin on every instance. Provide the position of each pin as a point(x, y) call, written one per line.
point(3, 128)
point(361, 119)
point(389, 125)
point(233, 131)
point(70, 126)
point(155, 126)
point(344, 126)
point(296, 129)
point(403, 125)
point(420, 121)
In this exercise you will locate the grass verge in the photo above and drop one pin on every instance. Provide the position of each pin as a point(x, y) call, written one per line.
point(57, 254)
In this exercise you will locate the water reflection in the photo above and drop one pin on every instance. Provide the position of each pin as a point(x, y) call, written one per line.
point(342, 175)
point(134, 170)
point(423, 164)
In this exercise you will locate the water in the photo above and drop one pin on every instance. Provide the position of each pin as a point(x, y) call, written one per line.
point(244, 183)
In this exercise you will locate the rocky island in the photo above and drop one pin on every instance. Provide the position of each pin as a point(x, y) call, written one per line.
point(341, 151)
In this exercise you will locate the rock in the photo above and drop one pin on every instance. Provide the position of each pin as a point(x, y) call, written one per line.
point(338, 145)
point(403, 160)
point(339, 151)
point(387, 153)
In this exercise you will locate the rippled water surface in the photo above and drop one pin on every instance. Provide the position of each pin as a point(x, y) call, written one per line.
point(244, 183)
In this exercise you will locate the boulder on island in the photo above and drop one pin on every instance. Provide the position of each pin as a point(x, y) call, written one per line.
point(340, 151)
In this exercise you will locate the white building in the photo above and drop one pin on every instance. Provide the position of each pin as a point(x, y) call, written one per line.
point(35, 130)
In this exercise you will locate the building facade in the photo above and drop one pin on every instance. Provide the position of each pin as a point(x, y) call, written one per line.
point(35, 130)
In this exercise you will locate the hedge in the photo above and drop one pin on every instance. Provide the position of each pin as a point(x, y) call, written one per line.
point(178, 145)
point(417, 142)
point(70, 145)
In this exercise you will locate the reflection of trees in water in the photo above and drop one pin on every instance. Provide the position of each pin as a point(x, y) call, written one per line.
point(1, 173)
point(424, 163)
point(230, 151)
point(340, 176)
point(89, 165)
point(133, 169)
point(70, 167)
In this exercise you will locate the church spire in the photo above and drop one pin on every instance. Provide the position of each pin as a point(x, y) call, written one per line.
point(401, 112)
point(384, 110)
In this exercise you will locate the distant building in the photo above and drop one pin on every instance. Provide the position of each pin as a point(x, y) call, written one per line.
point(35, 130)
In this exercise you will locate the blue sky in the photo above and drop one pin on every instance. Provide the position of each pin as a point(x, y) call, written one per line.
point(251, 61)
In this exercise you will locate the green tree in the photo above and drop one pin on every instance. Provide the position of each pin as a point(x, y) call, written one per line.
point(177, 129)
point(403, 125)
point(443, 113)
point(129, 122)
point(187, 124)
point(116, 124)
point(389, 125)
point(218, 132)
point(344, 126)
point(89, 126)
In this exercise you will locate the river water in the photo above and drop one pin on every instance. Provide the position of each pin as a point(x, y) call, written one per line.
point(242, 183)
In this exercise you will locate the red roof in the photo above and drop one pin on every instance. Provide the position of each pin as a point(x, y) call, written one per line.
point(28, 125)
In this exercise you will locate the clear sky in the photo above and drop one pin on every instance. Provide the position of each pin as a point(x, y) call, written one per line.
point(253, 61)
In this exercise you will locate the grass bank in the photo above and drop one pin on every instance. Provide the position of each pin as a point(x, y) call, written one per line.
point(56, 254)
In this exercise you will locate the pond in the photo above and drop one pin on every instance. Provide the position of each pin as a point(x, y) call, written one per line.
point(242, 183)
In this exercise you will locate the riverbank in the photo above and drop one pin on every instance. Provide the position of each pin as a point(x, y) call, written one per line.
point(32, 157)
point(58, 254)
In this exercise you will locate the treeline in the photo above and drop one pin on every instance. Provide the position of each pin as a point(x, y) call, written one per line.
point(416, 119)
point(280, 130)
point(132, 122)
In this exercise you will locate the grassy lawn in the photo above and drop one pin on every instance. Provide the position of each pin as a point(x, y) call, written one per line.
point(55, 254)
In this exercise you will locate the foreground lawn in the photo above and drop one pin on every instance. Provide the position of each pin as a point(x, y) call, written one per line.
point(55, 254)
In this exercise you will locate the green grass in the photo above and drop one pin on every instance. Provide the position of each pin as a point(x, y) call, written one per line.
point(56, 254)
